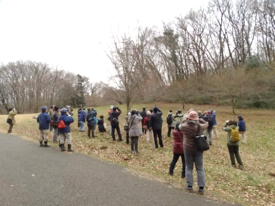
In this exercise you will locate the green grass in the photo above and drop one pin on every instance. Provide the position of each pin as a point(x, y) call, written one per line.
point(255, 185)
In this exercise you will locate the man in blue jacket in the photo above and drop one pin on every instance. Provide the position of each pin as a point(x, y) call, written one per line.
point(65, 133)
point(44, 120)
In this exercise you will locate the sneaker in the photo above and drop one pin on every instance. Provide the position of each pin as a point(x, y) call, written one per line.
point(189, 189)
point(241, 167)
point(201, 191)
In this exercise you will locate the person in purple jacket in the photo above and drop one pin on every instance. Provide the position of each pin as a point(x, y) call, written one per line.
point(177, 151)
point(65, 134)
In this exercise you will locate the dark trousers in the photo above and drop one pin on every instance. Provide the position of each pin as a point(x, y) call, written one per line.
point(234, 152)
point(157, 133)
point(127, 137)
point(91, 129)
point(116, 127)
point(134, 144)
point(10, 128)
point(174, 162)
point(169, 131)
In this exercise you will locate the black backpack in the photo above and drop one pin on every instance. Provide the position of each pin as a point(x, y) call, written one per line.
point(169, 119)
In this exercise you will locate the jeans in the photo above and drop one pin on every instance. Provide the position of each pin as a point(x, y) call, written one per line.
point(192, 157)
point(157, 133)
point(81, 126)
point(234, 152)
point(215, 131)
point(209, 135)
point(55, 134)
point(174, 162)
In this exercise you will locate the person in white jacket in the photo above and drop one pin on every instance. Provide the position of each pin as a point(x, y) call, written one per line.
point(135, 130)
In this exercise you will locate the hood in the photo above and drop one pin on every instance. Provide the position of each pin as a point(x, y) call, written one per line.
point(43, 109)
point(240, 117)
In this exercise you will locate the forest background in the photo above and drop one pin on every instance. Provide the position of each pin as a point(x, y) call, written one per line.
point(222, 54)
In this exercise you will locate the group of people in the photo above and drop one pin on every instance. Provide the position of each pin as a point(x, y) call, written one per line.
point(184, 128)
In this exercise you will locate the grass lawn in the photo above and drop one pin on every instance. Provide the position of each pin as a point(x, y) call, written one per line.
point(255, 185)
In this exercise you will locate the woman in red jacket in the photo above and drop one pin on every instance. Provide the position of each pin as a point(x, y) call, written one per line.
point(177, 150)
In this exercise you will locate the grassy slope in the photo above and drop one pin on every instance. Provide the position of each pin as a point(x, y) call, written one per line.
point(253, 186)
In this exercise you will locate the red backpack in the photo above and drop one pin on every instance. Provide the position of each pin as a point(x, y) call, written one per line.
point(61, 124)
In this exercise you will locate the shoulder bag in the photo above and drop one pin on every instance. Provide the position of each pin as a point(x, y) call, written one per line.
point(201, 141)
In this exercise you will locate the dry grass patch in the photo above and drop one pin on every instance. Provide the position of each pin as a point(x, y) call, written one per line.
point(255, 185)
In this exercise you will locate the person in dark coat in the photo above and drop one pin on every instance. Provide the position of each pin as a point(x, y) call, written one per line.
point(44, 120)
point(143, 115)
point(115, 123)
point(177, 151)
point(100, 123)
point(242, 128)
point(155, 123)
point(65, 133)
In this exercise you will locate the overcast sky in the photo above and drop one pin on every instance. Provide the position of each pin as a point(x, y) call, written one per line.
point(72, 35)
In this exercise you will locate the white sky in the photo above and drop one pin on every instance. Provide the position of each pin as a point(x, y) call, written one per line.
point(72, 35)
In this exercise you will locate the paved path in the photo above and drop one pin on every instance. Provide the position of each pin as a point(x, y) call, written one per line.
point(31, 176)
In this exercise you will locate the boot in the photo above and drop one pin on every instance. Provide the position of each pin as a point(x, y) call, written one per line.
point(70, 148)
point(41, 144)
point(46, 144)
point(62, 148)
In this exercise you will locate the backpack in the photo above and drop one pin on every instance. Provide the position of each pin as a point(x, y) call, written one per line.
point(169, 119)
point(234, 135)
point(61, 124)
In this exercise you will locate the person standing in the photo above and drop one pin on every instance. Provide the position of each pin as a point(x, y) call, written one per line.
point(65, 133)
point(55, 118)
point(155, 123)
point(115, 123)
point(44, 120)
point(190, 127)
point(146, 126)
point(215, 124)
point(101, 124)
point(143, 115)
point(135, 130)
point(81, 119)
point(233, 146)
point(51, 112)
point(91, 122)
point(242, 128)
point(169, 121)
point(12, 113)
point(208, 118)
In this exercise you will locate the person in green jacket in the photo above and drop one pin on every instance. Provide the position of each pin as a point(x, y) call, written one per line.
point(233, 146)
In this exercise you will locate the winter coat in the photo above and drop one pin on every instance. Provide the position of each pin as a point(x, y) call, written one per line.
point(228, 130)
point(172, 124)
point(114, 115)
point(11, 116)
point(177, 119)
point(145, 121)
point(134, 125)
point(101, 127)
point(214, 117)
point(177, 141)
point(241, 124)
point(91, 120)
point(67, 120)
point(155, 121)
point(209, 118)
point(55, 118)
point(143, 114)
point(81, 115)
point(189, 129)
point(44, 120)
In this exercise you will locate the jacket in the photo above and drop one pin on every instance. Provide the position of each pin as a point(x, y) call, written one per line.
point(91, 118)
point(55, 118)
point(114, 115)
point(241, 124)
point(214, 117)
point(67, 120)
point(11, 116)
point(44, 120)
point(134, 126)
point(189, 129)
point(81, 115)
point(228, 130)
point(101, 127)
point(177, 119)
point(155, 120)
point(177, 141)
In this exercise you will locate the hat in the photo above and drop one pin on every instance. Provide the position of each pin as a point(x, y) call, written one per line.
point(148, 113)
point(179, 111)
point(112, 106)
point(44, 109)
point(114, 109)
point(63, 111)
point(240, 117)
point(193, 115)
point(56, 108)
point(10, 109)
point(155, 110)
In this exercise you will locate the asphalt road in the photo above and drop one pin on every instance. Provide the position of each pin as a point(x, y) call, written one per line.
point(31, 175)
